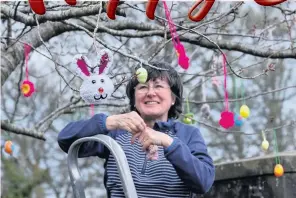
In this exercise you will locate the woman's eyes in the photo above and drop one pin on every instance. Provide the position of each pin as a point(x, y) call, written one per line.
point(156, 87)
point(143, 87)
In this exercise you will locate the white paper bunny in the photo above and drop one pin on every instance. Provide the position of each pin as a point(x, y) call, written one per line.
point(96, 86)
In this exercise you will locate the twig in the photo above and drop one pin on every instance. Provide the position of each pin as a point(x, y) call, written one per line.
point(35, 49)
point(242, 99)
point(218, 129)
point(57, 111)
point(112, 48)
point(202, 35)
point(56, 66)
point(22, 131)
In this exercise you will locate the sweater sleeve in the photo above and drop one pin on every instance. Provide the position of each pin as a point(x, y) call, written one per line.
point(85, 128)
point(192, 162)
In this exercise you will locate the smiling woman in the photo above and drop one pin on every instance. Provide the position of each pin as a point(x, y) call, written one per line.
point(160, 98)
point(167, 158)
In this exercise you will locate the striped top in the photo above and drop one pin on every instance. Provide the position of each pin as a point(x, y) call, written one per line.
point(180, 169)
point(158, 179)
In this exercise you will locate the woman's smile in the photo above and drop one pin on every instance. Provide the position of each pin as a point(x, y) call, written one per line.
point(151, 102)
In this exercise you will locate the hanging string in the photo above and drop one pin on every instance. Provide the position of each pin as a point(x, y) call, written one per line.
point(277, 159)
point(236, 95)
point(92, 109)
point(97, 27)
point(183, 60)
point(187, 105)
point(225, 82)
point(27, 52)
point(175, 38)
point(242, 91)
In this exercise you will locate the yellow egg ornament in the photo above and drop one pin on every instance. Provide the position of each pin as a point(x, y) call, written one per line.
point(265, 145)
point(244, 111)
point(142, 75)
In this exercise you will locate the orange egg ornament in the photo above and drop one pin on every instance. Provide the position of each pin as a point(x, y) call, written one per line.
point(8, 147)
point(278, 170)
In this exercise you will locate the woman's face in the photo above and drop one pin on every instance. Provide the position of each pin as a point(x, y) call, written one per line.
point(154, 99)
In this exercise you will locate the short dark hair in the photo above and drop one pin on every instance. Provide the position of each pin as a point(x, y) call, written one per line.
point(174, 81)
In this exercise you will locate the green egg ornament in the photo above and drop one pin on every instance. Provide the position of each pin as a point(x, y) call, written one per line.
point(244, 111)
point(142, 75)
point(265, 145)
point(188, 118)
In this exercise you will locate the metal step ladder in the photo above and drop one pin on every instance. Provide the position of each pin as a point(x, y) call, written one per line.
point(120, 158)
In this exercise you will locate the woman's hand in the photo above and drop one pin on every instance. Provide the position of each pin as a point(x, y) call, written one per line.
point(150, 137)
point(131, 122)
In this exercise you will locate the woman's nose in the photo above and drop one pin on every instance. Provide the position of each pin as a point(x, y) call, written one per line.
point(151, 91)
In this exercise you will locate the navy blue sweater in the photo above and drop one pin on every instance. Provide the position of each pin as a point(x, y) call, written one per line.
point(182, 168)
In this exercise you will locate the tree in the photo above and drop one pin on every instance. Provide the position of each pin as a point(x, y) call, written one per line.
point(259, 43)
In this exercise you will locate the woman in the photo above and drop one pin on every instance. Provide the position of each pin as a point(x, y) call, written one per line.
point(183, 165)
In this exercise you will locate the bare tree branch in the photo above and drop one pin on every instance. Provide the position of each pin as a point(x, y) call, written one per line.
point(22, 131)
point(54, 15)
point(242, 99)
point(12, 57)
point(55, 113)
point(221, 130)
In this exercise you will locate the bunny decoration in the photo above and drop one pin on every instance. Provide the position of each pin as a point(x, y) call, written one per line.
point(96, 86)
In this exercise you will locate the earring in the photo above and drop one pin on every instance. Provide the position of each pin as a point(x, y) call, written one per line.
point(173, 103)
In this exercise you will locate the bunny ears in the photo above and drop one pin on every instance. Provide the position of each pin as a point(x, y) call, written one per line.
point(104, 61)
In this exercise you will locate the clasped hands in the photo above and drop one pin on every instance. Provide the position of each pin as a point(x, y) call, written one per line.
point(146, 136)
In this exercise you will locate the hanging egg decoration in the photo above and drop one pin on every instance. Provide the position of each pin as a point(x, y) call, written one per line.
point(227, 119)
point(8, 147)
point(265, 145)
point(278, 170)
point(27, 88)
point(188, 118)
point(142, 75)
point(226, 116)
point(238, 120)
point(244, 111)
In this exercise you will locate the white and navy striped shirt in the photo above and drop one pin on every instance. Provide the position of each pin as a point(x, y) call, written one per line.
point(180, 169)
point(159, 179)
